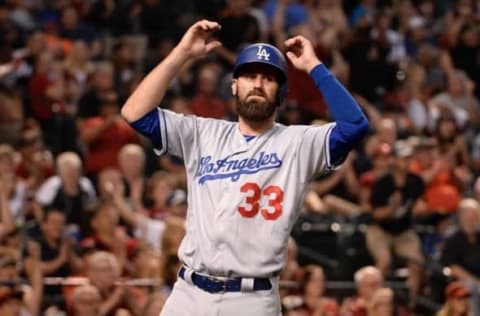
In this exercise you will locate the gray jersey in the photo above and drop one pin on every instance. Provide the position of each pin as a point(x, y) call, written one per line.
point(243, 197)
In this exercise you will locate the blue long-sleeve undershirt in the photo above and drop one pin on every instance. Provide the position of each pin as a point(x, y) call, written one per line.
point(351, 124)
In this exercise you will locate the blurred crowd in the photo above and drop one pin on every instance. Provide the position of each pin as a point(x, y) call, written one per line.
point(91, 219)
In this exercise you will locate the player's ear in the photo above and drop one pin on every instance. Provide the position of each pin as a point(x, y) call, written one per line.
point(234, 87)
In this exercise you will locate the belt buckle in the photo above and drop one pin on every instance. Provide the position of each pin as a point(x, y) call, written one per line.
point(223, 286)
point(222, 283)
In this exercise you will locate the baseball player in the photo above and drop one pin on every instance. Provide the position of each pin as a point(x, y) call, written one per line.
point(246, 179)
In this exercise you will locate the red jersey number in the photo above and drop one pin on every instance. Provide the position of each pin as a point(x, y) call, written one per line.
point(252, 201)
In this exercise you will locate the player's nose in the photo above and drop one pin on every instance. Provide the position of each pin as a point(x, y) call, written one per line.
point(258, 81)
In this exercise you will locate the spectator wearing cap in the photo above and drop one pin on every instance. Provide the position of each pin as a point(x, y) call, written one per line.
point(457, 301)
point(461, 252)
point(395, 196)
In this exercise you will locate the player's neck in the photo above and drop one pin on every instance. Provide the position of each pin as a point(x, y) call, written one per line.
point(254, 128)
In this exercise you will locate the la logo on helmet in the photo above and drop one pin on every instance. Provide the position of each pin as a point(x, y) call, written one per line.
point(262, 53)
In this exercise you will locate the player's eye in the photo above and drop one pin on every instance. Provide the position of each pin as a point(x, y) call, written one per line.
point(269, 78)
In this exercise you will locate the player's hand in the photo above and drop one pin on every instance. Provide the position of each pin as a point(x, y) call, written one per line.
point(195, 42)
point(301, 54)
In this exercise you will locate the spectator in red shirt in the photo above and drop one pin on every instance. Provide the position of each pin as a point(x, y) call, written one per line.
point(206, 102)
point(104, 135)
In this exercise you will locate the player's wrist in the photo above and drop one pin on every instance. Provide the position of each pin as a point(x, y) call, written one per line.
point(181, 54)
point(312, 64)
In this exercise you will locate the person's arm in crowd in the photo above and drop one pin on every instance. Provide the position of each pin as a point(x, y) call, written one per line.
point(132, 303)
point(278, 24)
point(472, 104)
point(75, 262)
point(462, 274)
point(134, 219)
point(351, 179)
point(33, 300)
point(117, 297)
point(149, 94)
point(7, 223)
point(386, 211)
point(49, 267)
point(374, 116)
point(325, 185)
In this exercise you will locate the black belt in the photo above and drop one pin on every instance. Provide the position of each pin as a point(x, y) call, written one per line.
point(213, 285)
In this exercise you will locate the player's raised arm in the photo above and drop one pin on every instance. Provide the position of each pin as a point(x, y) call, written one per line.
point(149, 94)
point(351, 124)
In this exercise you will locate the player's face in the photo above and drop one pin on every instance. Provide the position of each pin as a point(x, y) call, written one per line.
point(256, 90)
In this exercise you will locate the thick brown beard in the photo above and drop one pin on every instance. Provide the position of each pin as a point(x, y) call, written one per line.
point(254, 111)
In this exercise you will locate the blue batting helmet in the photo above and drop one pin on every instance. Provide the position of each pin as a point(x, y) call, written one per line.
point(264, 54)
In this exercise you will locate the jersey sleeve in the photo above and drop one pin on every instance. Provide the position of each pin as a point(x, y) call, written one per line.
point(314, 151)
point(169, 132)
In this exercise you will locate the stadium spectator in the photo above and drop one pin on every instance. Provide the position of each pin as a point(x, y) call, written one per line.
point(68, 190)
point(394, 198)
point(461, 252)
point(457, 303)
point(57, 255)
point(104, 274)
point(108, 235)
point(131, 162)
point(105, 135)
point(312, 288)
point(442, 189)
point(206, 102)
point(100, 84)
